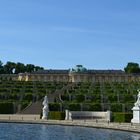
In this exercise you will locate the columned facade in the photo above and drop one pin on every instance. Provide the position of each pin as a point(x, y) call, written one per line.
point(79, 74)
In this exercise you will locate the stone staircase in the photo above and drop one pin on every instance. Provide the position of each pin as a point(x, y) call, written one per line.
point(36, 107)
point(33, 108)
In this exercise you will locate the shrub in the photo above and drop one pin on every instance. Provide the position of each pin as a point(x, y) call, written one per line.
point(122, 117)
point(95, 107)
point(24, 105)
point(80, 98)
point(116, 107)
point(74, 107)
point(28, 97)
point(65, 97)
point(54, 106)
point(6, 108)
point(112, 98)
point(56, 115)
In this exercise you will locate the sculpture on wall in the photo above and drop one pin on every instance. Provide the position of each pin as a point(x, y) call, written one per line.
point(45, 108)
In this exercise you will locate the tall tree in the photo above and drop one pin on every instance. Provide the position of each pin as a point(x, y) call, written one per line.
point(37, 68)
point(20, 68)
point(30, 67)
point(132, 68)
point(1, 68)
point(9, 67)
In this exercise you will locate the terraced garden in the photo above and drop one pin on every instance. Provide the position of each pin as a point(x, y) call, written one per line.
point(117, 97)
point(15, 95)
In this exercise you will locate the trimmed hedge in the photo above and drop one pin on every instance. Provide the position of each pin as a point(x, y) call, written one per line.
point(56, 115)
point(54, 106)
point(121, 117)
point(74, 107)
point(6, 108)
point(115, 107)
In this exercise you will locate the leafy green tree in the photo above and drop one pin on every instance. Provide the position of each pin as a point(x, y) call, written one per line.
point(37, 68)
point(20, 68)
point(30, 67)
point(9, 67)
point(132, 68)
point(15, 68)
point(1, 68)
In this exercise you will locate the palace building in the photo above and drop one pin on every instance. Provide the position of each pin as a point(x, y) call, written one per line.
point(79, 74)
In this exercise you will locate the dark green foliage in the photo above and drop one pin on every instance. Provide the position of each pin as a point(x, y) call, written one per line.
point(6, 108)
point(112, 98)
point(117, 97)
point(65, 97)
point(122, 117)
point(56, 115)
point(54, 106)
point(91, 107)
point(129, 98)
point(115, 107)
point(132, 68)
point(95, 107)
point(15, 68)
point(74, 107)
point(80, 98)
point(28, 97)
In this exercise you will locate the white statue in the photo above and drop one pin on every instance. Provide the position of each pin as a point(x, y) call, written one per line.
point(137, 104)
point(45, 108)
point(136, 110)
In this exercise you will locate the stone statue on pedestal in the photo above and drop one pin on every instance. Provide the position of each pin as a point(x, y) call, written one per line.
point(136, 110)
point(137, 104)
point(45, 108)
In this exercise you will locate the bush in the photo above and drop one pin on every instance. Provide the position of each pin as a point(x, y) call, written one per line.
point(74, 107)
point(122, 117)
point(28, 97)
point(95, 107)
point(24, 105)
point(65, 97)
point(80, 98)
point(54, 106)
point(112, 98)
point(116, 107)
point(56, 115)
point(6, 108)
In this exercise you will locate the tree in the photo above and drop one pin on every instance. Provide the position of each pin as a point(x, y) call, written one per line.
point(20, 68)
point(9, 67)
point(1, 68)
point(37, 68)
point(30, 67)
point(132, 68)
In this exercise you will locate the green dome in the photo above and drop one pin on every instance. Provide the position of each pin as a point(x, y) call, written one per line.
point(78, 68)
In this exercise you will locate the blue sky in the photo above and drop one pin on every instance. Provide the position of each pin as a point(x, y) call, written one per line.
point(99, 34)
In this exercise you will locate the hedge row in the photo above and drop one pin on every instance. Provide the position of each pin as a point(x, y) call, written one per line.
point(6, 108)
point(122, 117)
point(56, 115)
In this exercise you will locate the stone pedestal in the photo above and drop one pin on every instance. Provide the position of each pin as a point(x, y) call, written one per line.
point(136, 114)
point(108, 115)
point(67, 115)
